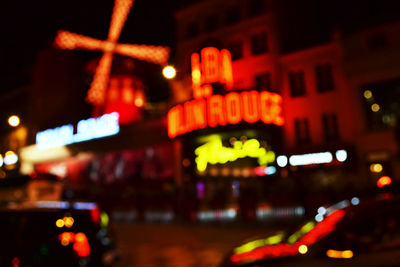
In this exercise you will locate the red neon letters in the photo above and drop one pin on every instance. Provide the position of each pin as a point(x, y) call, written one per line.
point(219, 110)
point(215, 66)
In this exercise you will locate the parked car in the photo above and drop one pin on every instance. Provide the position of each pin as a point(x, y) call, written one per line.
point(350, 233)
point(55, 233)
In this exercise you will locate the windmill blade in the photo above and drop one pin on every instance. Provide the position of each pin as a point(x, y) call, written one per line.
point(96, 93)
point(149, 53)
point(118, 18)
point(70, 40)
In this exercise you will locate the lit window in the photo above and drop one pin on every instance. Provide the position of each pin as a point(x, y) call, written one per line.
point(296, 80)
point(259, 43)
point(324, 78)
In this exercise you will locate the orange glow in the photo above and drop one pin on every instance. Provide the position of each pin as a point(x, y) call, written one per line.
point(337, 254)
point(66, 238)
point(233, 107)
point(226, 72)
point(100, 80)
point(79, 240)
point(139, 98)
point(251, 111)
point(81, 245)
point(68, 221)
point(150, 53)
point(118, 18)
point(376, 167)
point(248, 106)
point(383, 181)
point(210, 61)
point(216, 114)
point(153, 54)
point(69, 41)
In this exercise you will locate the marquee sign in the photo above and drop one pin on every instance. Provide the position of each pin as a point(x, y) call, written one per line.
point(214, 152)
point(88, 129)
point(218, 110)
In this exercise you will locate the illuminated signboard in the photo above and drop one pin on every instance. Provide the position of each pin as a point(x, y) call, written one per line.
point(311, 158)
point(214, 152)
point(89, 129)
point(218, 110)
point(215, 66)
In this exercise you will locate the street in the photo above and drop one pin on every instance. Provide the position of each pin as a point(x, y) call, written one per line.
point(174, 245)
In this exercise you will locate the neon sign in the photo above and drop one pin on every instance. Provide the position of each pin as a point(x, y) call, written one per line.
point(311, 158)
point(149, 53)
point(89, 129)
point(214, 152)
point(220, 110)
point(215, 66)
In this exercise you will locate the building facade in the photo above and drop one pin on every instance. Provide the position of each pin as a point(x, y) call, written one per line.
point(333, 102)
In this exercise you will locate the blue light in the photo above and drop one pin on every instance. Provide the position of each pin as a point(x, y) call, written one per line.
point(53, 204)
point(355, 201)
point(89, 129)
point(270, 170)
point(84, 205)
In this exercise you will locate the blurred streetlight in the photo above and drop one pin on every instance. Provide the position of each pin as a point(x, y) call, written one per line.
point(169, 72)
point(13, 121)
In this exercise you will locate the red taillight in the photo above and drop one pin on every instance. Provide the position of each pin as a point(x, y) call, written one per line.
point(95, 213)
point(383, 181)
point(79, 240)
point(81, 245)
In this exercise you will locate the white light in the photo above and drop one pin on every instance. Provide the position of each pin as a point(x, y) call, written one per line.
point(10, 158)
point(355, 201)
point(313, 158)
point(13, 121)
point(341, 155)
point(169, 72)
point(1, 160)
point(89, 129)
point(281, 161)
point(319, 217)
point(321, 210)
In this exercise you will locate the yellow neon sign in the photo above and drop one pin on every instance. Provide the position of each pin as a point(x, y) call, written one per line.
point(214, 152)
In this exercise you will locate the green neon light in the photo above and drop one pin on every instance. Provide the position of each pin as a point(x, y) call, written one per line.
point(104, 220)
point(272, 240)
point(214, 152)
point(303, 230)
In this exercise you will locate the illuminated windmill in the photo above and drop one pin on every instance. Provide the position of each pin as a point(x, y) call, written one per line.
point(153, 54)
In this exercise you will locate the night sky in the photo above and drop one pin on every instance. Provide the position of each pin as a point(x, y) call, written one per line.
point(29, 26)
point(32, 25)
